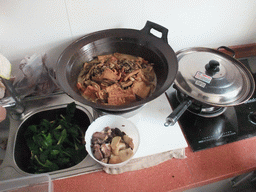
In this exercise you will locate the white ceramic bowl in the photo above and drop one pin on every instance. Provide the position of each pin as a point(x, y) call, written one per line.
point(112, 121)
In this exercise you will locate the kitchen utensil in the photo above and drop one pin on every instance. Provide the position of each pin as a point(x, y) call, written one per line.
point(112, 121)
point(128, 41)
point(210, 77)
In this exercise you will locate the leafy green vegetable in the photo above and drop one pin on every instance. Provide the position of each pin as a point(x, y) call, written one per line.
point(56, 144)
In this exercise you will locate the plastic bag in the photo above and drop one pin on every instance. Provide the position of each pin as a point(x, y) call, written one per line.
point(33, 78)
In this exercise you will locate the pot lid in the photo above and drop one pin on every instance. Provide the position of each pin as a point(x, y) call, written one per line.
point(213, 77)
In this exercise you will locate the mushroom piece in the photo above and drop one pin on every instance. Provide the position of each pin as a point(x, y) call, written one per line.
point(128, 141)
point(116, 145)
point(119, 147)
point(114, 159)
point(125, 154)
point(115, 142)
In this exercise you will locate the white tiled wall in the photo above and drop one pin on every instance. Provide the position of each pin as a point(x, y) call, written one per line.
point(28, 26)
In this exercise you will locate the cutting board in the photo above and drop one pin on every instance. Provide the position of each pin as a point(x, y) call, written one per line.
point(154, 136)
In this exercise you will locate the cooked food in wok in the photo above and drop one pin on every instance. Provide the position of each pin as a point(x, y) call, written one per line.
point(116, 79)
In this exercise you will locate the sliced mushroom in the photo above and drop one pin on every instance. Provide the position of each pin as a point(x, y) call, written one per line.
point(128, 141)
point(115, 142)
point(125, 154)
point(119, 147)
point(114, 159)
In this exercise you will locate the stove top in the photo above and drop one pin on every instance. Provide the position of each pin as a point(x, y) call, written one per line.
point(236, 123)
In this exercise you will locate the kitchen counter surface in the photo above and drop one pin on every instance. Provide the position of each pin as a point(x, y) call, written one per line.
point(199, 168)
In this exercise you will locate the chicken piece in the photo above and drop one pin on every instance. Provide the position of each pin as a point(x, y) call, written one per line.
point(97, 141)
point(107, 130)
point(141, 89)
point(99, 135)
point(106, 150)
point(97, 153)
point(99, 138)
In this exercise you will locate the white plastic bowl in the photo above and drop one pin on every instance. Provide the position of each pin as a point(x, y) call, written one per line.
point(112, 121)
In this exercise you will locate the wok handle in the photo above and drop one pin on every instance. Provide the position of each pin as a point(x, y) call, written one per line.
point(175, 115)
point(150, 25)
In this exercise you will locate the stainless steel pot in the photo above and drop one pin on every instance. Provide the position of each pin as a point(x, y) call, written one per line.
point(129, 41)
point(212, 78)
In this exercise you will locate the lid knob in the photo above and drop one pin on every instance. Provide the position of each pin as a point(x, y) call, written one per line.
point(212, 67)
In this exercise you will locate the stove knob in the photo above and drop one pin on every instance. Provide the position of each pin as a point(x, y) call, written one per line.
point(252, 117)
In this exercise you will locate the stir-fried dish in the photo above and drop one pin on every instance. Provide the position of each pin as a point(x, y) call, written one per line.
point(116, 79)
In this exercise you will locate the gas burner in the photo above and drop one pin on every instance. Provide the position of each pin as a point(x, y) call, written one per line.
point(201, 109)
point(230, 125)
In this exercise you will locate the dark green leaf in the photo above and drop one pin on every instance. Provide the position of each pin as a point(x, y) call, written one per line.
point(62, 137)
point(43, 156)
point(56, 134)
point(71, 109)
point(33, 128)
point(55, 144)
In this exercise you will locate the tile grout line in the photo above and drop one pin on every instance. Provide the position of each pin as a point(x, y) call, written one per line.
point(68, 19)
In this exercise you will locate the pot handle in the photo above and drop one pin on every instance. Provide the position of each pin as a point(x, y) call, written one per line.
point(175, 115)
point(150, 25)
point(227, 49)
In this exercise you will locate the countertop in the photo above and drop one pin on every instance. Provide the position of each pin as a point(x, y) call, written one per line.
point(197, 169)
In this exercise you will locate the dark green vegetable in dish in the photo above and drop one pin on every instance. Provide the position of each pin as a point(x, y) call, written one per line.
point(56, 144)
